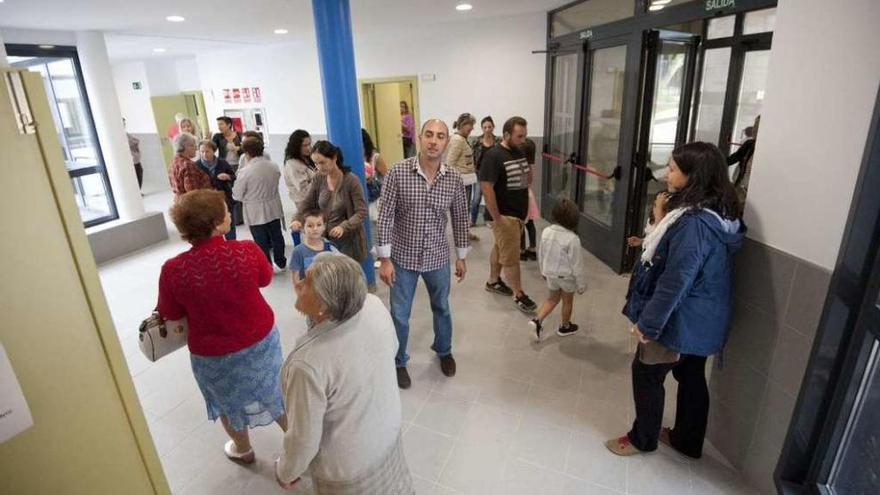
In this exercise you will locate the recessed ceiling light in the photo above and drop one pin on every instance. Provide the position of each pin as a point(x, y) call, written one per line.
point(47, 47)
point(660, 2)
point(463, 7)
point(655, 8)
point(280, 31)
point(159, 50)
point(175, 18)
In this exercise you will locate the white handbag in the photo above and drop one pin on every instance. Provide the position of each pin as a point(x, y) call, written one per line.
point(158, 337)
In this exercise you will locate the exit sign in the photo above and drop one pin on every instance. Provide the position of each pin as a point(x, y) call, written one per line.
point(716, 5)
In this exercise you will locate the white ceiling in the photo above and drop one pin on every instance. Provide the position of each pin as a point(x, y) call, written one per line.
point(134, 28)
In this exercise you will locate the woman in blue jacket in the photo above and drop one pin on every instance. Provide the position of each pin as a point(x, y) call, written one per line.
point(679, 300)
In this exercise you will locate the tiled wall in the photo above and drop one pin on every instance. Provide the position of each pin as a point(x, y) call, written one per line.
point(777, 304)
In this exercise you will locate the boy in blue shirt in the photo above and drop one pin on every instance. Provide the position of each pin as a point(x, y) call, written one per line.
point(313, 244)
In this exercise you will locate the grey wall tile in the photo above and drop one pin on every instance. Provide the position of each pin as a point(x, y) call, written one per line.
point(752, 335)
point(807, 298)
point(763, 276)
point(738, 390)
point(730, 434)
point(790, 360)
point(768, 438)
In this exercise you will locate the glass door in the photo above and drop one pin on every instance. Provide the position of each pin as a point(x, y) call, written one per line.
point(666, 99)
point(607, 143)
point(561, 150)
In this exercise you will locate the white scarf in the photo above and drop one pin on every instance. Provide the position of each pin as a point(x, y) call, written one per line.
point(654, 233)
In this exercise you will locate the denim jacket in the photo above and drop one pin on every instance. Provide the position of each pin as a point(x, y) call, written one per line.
point(682, 298)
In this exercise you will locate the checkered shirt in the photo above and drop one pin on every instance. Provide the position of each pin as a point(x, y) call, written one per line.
point(413, 216)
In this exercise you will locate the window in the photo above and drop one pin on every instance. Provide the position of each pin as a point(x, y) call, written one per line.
point(588, 14)
point(72, 117)
point(760, 21)
point(721, 27)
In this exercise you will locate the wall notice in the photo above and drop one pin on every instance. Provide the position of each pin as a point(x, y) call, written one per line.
point(15, 417)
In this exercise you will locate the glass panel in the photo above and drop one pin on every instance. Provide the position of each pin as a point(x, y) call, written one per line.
point(75, 132)
point(668, 91)
point(654, 6)
point(588, 14)
point(751, 98)
point(90, 192)
point(562, 126)
point(760, 21)
point(721, 27)
point(608, 69)
point(857, 461)
point(716, 63)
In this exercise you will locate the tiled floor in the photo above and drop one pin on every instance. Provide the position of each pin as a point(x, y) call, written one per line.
point(519, 417)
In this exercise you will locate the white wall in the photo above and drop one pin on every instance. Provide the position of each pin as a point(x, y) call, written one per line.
point(134, 103)
point(187, 74)
point(481, 66)
point(823, 81)
point(162, 75)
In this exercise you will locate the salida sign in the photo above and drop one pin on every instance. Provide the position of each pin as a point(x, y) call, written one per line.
point(713, 5)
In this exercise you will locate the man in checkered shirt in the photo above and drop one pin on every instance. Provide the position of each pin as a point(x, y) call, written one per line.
point(418, 195)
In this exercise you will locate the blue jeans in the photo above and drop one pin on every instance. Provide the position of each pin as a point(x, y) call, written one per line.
point(230, 236)
point(296, 238)
point(402, 293)
point(476, 197)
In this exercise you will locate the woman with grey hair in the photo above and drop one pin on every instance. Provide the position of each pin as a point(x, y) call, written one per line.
point(184, 174)
point(340, 389)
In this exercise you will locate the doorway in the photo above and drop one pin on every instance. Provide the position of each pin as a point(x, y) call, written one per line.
point(191, 104)
point(381, 113)
point(623, 95)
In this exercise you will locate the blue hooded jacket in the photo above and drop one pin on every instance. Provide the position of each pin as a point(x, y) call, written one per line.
point(682, 299)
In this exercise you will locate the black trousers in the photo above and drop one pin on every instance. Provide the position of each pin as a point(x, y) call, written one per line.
point(691, 409)
point(139, 172)
point(530, 228)
point(269, 237)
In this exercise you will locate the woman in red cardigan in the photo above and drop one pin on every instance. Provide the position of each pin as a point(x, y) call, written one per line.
point(233, 342)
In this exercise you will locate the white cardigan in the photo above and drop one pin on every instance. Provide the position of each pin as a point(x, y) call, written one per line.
point(341, 396)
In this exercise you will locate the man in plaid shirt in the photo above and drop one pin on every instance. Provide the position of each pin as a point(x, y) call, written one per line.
point(418, 195)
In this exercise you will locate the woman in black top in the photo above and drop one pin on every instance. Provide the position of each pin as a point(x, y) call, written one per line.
point(486, 141)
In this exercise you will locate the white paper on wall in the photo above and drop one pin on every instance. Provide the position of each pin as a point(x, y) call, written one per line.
point(15, 417)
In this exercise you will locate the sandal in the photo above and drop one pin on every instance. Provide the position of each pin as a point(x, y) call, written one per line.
point(232, 452)
point(622, 446)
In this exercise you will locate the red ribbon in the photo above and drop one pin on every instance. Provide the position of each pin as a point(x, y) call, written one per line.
point(589, 170)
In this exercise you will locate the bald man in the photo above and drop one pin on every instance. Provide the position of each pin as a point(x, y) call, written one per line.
point(417, 195)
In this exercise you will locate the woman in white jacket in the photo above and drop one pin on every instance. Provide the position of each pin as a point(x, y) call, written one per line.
point(299, 170)
point(562, 264)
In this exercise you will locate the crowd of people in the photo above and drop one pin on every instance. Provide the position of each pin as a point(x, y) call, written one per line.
point(335, 397)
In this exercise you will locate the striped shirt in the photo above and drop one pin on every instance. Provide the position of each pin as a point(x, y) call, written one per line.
point(413, 216)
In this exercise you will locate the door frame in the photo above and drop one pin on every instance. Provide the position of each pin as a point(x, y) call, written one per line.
point(368, 118)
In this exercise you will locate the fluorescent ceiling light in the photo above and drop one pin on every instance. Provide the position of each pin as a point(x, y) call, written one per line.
point(47, 47)
point(463, 7)
point(655, 8)
point(159, 50)
point(175, 18)
point(280, 31)
point(660, 2)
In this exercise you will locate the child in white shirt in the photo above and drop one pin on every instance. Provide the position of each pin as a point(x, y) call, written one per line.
point(560, 258)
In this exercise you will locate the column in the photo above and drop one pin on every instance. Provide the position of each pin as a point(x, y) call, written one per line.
point(104, 103)
point(339, 84)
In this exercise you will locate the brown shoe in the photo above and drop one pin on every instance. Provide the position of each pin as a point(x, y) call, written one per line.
point(622, 446)
point(447, 365)
point(403, 380)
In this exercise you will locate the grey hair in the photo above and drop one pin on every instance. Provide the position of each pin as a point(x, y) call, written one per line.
point(181, 140)
point(339, 282)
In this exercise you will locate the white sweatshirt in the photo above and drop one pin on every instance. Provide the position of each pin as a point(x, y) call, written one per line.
point(560, 255)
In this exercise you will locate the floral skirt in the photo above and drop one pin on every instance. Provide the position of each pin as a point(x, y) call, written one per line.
point(244, 386)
